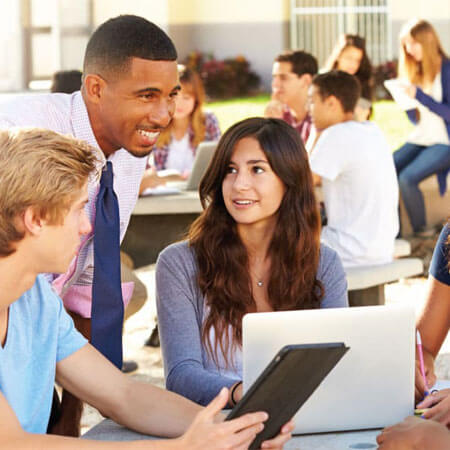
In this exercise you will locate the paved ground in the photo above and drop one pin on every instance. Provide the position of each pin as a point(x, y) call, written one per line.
point(138, 327)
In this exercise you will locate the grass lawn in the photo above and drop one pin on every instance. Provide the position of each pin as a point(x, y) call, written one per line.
point(387, 115)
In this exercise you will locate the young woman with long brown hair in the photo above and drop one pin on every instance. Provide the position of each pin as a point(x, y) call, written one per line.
point(191, 125)
point(350, 55)
point(256, 247)
point(425, 66)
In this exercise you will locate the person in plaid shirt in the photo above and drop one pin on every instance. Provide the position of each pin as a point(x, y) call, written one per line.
point(292, 74)
point(177, 144)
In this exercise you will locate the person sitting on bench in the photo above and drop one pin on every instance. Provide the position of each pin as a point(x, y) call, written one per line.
point(355, 166)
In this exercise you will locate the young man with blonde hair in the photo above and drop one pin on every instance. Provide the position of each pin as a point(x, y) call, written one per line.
point(44, 190)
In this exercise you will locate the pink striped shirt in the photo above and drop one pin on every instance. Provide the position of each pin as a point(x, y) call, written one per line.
point(67, 114)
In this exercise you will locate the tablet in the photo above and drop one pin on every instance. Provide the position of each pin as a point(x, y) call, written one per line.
point(286, 383)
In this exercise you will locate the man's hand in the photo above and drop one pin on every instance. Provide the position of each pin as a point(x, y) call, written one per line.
point(413, 434)
point(439, 406)
point(274, 110)
point(238, 433)
point(428, 361)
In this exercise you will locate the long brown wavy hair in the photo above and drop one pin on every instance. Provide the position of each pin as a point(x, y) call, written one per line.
point(191, 82)
point(223, 265)
point(364, 72)
point(424, 72)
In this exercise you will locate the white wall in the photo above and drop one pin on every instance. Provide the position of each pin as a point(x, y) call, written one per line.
point(11, 68)
point(154, 10)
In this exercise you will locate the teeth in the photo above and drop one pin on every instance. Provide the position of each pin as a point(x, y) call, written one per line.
point(243, 202)
point(149, 134)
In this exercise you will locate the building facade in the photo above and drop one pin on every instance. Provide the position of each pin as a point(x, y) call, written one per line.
point(38, 37)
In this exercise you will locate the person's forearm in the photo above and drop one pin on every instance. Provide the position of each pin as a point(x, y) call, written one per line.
point(151, 410)
point(197, 383)
point(441, 109)
point(433, 322)
point(31, 441)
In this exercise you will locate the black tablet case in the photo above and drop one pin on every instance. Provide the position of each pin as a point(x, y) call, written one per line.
point(286, 383)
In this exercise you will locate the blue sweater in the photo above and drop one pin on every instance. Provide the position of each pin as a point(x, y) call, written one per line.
point(181, 315)
point(441, 109)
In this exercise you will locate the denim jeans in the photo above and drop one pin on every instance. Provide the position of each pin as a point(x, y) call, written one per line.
point(414, 163)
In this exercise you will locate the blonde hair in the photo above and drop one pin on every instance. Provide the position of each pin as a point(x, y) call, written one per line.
point(421, 73)
point(192, 82)
point(40, 169)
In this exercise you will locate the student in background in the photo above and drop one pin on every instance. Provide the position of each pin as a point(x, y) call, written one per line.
point(427, 149)
point(292, 73)
point(350, 55)
point(177, 144)
point(255, 247)
point(66, 81)
point(354, 164)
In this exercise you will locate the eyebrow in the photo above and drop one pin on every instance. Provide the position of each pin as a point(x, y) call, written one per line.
point(157, 90)
point(253, 161)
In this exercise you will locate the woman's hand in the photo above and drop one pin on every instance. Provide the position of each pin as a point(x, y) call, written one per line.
point(428, 361)
point(410, 90)
point(150, 179)
point(439, 406)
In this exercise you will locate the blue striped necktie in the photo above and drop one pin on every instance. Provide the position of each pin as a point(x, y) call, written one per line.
point(107, 303)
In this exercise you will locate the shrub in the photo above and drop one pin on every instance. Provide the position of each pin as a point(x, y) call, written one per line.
point(231, 77)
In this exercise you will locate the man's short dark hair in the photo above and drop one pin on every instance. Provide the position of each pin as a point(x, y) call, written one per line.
point(342, 85)
point(117, 40)
point(301, 62)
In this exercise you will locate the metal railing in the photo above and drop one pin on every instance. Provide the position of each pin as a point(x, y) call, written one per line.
point(317, 24)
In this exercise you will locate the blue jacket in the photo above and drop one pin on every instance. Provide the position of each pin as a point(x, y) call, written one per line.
point(441, 109)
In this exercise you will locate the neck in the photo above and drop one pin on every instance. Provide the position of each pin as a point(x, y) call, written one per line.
point(298, 107)
point(256, 240)
point(101, 136)
point(16, 277)
point(180, 126)
point(341, 117)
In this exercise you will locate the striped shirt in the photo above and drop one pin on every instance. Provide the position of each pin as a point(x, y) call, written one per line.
point(67, 114)
point(303, 127)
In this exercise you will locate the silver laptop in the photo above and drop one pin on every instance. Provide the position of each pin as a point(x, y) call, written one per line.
point(373, 384)
point(203, 156)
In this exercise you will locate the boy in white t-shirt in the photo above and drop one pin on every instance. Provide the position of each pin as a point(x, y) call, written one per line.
point(353, 162)
point(44, 191)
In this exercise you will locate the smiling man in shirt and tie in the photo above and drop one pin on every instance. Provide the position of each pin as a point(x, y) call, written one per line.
point(130, 82)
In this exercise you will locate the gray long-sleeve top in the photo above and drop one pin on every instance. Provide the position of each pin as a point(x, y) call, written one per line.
point(181, 314)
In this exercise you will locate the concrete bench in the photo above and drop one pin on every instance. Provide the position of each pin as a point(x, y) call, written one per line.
point(366, 283)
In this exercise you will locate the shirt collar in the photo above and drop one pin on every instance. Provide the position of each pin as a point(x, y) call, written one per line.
point(82, 128)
